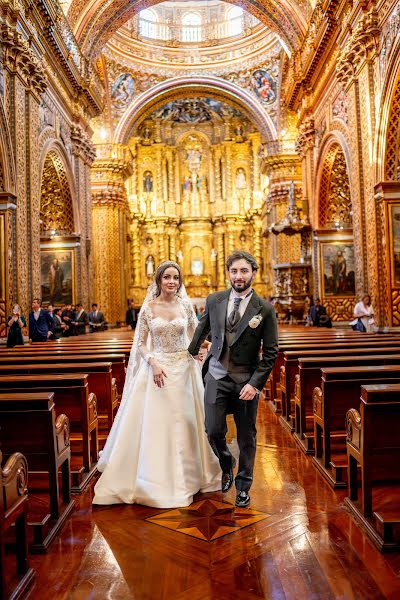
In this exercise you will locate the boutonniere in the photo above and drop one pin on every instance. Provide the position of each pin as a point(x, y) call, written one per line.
point(255, 321)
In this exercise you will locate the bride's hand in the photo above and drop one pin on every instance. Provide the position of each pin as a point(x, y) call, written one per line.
point(158, 373)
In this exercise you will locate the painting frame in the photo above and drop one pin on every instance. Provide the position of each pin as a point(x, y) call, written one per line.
point(337, 269)
point(57, 280)
point(394, 245)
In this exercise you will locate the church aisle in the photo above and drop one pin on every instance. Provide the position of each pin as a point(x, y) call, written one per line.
point(296, 542)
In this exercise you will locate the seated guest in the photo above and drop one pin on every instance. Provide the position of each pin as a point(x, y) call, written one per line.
point(131, 316)
point(96, 319)
point(364, 315)
point(41, 324)
point(15, 325)
point(80, 320)
point(67, 317)
point(318, 315)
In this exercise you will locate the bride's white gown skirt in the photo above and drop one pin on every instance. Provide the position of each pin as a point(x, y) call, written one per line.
point(157, 453)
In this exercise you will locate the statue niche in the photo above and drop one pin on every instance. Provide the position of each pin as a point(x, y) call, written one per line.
point(194, 164)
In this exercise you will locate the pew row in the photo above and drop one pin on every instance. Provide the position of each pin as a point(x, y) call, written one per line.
point(289, 370)
point(72, 397)
point(309, 377)
point(373, 444)
point(28, 421)
point(339, 393)
point(100, 381)
point(117, 361)
point(13, 512)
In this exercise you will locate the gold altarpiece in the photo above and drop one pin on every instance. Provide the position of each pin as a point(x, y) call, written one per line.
point(194, 196)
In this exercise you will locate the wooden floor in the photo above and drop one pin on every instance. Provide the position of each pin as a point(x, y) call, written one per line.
point(297, 542)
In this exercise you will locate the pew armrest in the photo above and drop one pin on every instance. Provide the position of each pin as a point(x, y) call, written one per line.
point(282, 379)
point(114, 392)
point(353, 428)
point(297, 386)
point(317, 402)
point(62, 433)
point(15, 480)
point(92, 406)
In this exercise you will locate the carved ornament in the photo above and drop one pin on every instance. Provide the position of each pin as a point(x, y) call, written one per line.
point(362, 45)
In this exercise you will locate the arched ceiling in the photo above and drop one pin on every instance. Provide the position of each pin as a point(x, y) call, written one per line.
point(186, 87)
point(94, 22)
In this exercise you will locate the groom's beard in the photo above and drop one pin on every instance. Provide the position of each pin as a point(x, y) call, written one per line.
point(242, 287)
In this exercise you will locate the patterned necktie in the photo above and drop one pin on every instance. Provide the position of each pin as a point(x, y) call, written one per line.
point(234, 316)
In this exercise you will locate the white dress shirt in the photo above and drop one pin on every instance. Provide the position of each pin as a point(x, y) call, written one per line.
point(243, 304)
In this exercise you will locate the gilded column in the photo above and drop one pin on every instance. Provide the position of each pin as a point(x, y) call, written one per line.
point(83, 156)
point(135, 252)
point(220, 258)
point(355, 71)
point(110, 225)
point(217, 175)
point(26, 82)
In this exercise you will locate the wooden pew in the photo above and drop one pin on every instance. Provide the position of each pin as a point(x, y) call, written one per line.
point(100, 381)
point(13, 511)
point(290, 368)
point(316, 343)
point(117, 361)
point(72, 397)
point(28, 421)
point(373, 444)
point(339, 393)
point(309, 377)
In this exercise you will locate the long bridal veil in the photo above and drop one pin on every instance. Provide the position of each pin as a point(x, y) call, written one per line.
point(134, 363)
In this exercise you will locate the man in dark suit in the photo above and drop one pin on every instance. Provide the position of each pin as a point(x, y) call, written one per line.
point(41, 324)
point(318, 315)
point(80, 320)
point(131, 316)
point(96, 319)
point(240, 322)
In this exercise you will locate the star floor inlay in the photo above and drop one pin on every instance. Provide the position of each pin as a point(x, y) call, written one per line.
point(208, 519)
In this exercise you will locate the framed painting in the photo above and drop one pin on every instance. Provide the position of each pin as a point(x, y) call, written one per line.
point(337, 269)
point(395, 243)
point(57, 276)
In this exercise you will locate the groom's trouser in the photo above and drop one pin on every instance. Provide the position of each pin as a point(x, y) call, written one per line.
point(222, 398)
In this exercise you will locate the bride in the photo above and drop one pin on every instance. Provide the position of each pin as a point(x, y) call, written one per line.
point(157, 452)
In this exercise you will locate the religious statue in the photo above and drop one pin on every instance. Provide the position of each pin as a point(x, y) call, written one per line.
point(148, 182)
point(241, 183)
point(239, 131)
point(150, 266)
point(187, 184)
point(147, 135)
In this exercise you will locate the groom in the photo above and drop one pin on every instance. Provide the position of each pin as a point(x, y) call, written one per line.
point(240, 323)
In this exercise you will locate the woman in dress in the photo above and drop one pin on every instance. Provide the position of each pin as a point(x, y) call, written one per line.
point(16, 323)
point(157, 452)
point(364, 314)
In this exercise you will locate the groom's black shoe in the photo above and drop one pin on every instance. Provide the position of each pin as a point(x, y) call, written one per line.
point(228, 478)
point(242, 500)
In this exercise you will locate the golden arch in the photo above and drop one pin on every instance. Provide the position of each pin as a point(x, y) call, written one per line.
point(185, 87)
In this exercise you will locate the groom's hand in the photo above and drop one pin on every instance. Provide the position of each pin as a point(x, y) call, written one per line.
point(248, 392)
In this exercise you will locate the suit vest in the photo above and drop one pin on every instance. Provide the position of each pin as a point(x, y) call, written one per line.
point(224, 366)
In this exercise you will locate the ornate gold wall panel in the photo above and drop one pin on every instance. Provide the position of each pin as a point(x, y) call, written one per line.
point(392, 158)
point(56, 210)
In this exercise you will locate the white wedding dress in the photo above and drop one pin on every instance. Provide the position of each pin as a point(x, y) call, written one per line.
point(157, 452)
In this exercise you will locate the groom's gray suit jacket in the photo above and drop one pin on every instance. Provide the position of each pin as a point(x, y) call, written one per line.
point(238, 351)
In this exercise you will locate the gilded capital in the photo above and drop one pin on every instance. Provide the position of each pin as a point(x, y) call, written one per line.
point(19, 58)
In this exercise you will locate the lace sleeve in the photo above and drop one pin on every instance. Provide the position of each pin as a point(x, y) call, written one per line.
point(191, 317)
point(143, 333)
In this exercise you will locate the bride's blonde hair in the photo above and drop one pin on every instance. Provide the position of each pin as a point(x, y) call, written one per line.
point(160, 272)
